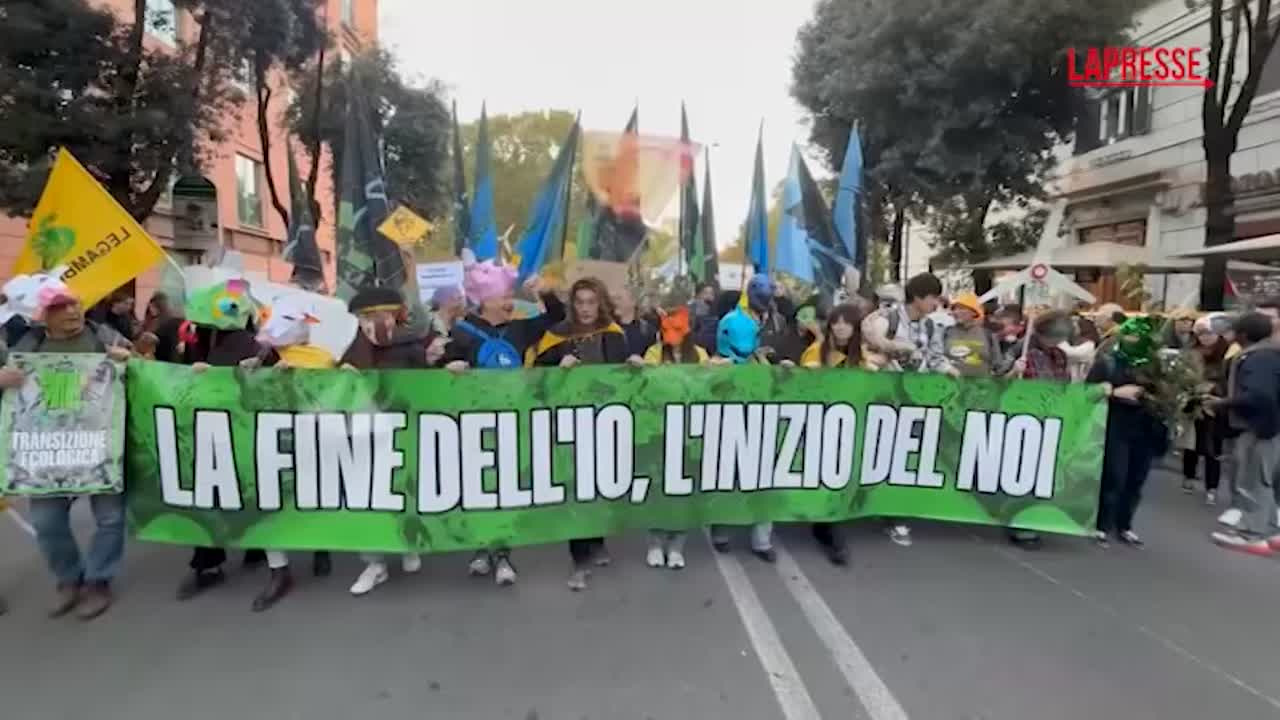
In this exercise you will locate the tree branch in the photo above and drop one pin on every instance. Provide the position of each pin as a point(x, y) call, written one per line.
point(1261, 44)
point(1210, 114)
point(262, 91)
point(313, 173)
point(1229, 76)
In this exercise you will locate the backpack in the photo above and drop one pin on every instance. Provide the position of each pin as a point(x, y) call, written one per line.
point(494, 352)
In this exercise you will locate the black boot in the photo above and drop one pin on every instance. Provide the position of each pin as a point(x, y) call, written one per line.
point(321, 564)
point(254, 558)
point(197, 581)
point(278, 585)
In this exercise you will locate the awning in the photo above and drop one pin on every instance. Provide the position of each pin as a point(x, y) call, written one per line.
point(1259, 248)
point(1110, 255)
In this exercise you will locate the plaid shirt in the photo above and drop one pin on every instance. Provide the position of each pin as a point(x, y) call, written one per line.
point(931, 347)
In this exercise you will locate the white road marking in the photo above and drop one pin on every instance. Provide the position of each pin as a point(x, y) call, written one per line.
point(1169, 644)
point(21, 521)
point(790, 690)
point(874, 695)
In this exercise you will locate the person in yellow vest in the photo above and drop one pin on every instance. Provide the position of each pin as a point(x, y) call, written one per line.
point(675, 345)
point(840, 346)
point(285, 337)
point(588, 336)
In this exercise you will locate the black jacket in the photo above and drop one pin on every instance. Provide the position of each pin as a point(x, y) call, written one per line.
point(522, 334)
point(608, 342)
point(1254, 404)
point(1131, 420)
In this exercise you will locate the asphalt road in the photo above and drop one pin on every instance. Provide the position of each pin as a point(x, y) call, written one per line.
point(958, 627)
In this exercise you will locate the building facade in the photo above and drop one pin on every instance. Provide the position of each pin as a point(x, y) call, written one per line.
point(1135, 173)
point(246, 222)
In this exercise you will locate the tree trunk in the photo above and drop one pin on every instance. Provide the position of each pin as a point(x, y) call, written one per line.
point(1219, 225)
point(895, 242)
point(313, 174)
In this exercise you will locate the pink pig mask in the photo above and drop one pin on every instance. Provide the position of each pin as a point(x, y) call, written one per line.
point(490, 286)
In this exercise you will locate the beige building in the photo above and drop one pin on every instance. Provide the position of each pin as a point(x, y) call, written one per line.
point(1136, 170)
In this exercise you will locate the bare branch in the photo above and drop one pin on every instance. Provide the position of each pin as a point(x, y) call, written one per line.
point(262, 91)
point(1228, 78)
point(1261, 44)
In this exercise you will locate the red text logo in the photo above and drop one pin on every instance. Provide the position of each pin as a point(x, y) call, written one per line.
point(1134, 66)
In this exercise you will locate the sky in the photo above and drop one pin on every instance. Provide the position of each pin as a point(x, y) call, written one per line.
point(731, 66)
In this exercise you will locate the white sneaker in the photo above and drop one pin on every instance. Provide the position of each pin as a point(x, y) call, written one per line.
point(1230, 518)
point(504, 574)
point(578, 580)
point(675, 560)
point(655, 558)
point(373, 575)
point(480, 565)
point(1211, 498)
point(411, 562)
point(900, 535)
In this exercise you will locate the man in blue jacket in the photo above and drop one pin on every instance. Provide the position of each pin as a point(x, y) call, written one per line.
point(1253, 409)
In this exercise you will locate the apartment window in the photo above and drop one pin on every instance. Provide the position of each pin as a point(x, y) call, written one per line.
point(1127, 233)
point(248, 191)
point(349, 12)
point(1113, 116)
point(162, 20)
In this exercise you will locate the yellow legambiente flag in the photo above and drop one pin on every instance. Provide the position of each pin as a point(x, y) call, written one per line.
point(79, 227)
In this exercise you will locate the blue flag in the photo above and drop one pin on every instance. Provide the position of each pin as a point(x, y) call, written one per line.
point(549, 213)
point(845, 215)
point(758, 216)
point(482, 235)
point(794, 257)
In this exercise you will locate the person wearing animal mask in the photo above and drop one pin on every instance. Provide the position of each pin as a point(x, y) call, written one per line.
point(286, 336)
point(489, 338)
point(675, 346)
point(588, 336)
point(738, 341)
point(218, 332)
point(384, 343)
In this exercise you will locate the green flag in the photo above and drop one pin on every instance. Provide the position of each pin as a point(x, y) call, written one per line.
point(691, 244)
point(366, 257)
point(300, 248)
point(710, 252)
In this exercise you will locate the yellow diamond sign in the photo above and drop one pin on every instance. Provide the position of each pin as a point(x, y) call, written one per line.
point(405, 227)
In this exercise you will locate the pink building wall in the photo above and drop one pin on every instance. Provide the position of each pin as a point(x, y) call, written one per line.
point(261, 247)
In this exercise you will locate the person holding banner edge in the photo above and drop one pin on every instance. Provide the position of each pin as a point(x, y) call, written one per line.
point(83, 584)
point(588, 336)
point(490, 338)
point(218, 332)
point(384, 342)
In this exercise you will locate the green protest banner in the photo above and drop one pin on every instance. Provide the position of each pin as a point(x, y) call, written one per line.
point(431, 461)
point(63, 429)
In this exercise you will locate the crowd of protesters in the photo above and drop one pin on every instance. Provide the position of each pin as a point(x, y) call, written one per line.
point(1228, 433)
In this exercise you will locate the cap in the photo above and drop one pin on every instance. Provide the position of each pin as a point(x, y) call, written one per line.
point(376, 298)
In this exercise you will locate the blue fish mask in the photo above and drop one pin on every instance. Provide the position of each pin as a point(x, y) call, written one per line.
point(760, 291)
point(737, 337)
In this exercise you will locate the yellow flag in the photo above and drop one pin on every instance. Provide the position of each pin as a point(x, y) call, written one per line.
point(79, 227)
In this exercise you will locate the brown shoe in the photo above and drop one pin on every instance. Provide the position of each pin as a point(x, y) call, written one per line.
point(68, 598)
point(95, 600)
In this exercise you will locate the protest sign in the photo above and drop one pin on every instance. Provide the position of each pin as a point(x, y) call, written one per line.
point(62, 431)
point(432, 461)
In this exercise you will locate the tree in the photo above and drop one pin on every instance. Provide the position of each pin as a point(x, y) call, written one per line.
point(959, 103)
point(412, 120)
point(962, 237)
point(1222, 117)
point(524, 149)
point(76, 76)
point(279, 38)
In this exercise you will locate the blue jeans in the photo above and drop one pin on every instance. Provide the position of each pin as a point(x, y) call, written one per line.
point(52, 520)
